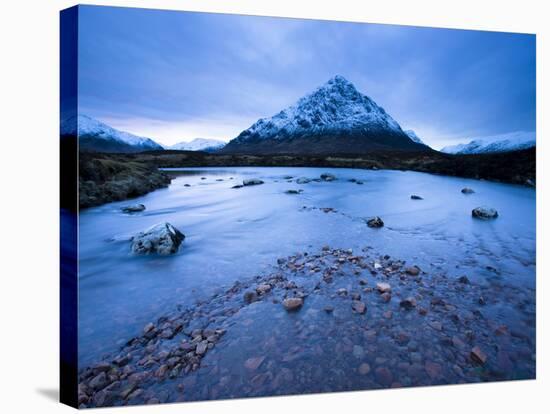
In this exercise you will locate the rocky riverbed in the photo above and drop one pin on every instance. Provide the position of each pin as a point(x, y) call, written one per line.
point(333, 319)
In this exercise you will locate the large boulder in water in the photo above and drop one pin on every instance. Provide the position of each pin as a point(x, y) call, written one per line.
point(484, 213)
point(162, 238)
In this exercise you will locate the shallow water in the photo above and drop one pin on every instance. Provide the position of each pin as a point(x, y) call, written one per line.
point(235, 234)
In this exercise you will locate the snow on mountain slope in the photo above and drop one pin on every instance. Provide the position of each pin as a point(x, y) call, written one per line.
point(198, 144)
point(412, 135)
point(335, 117)
point(94, 134)
point(335, 106)
point(497, 143)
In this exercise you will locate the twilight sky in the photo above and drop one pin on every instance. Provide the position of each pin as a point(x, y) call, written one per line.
point(175, 76)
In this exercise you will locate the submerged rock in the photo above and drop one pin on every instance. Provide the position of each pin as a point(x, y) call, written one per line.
point(477, 355)
point(293, 191)
point(133, 208)
point(484, 213)
point(375, 222)
point(252, 181)
point(328, 177)
point(364, 368)
point(467, 190)
point(250, 296)
point(238, 186)
point(303, 180)
point(416, 197)
point(383, 376)
point(254, 363)
point(408, 303)
point(358, 306)
point(162, 238)
point(412, 271)
point(464, 280)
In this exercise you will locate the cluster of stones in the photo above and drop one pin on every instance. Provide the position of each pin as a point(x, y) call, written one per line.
point(124, 378)
point(174, 346)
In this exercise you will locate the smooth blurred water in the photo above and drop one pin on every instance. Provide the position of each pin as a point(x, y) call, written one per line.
point(234, 234)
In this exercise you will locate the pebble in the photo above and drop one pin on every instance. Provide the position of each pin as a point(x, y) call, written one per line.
point(402, 338)
point(99, 381)
point(386, 297)
point(384, 376)
point(358, 351)
point(433, 369)
point(408, 303)
point(412, 271)
point(263, 288)
point(364, 368)
point(464, 280)
point(436, 325)
point(292, 304)
point(201, 347)
point(359, 306)
point(478, 356)
point(148, 328)
point(383, 287)
point(250, 296)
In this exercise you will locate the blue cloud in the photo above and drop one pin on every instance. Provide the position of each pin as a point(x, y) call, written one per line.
point(177, 75)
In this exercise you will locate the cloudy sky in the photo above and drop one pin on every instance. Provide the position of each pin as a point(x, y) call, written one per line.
point(175, 76)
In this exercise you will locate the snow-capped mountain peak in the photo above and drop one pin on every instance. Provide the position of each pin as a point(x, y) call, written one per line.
point(496, 143)
point(334, 107)
point(198, 144)
point(90, 131)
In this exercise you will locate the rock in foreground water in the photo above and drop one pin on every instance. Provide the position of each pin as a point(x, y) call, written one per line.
point(484, 213)
point(467, 190)
point(162, 238)
point(416, 197)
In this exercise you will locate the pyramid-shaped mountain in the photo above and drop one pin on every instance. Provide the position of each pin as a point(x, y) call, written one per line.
point(334, 119)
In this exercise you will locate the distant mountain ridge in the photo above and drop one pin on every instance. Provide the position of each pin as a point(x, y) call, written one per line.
point(513, 141)
point(334, 119)
point(198, 144)
point(94, 135)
